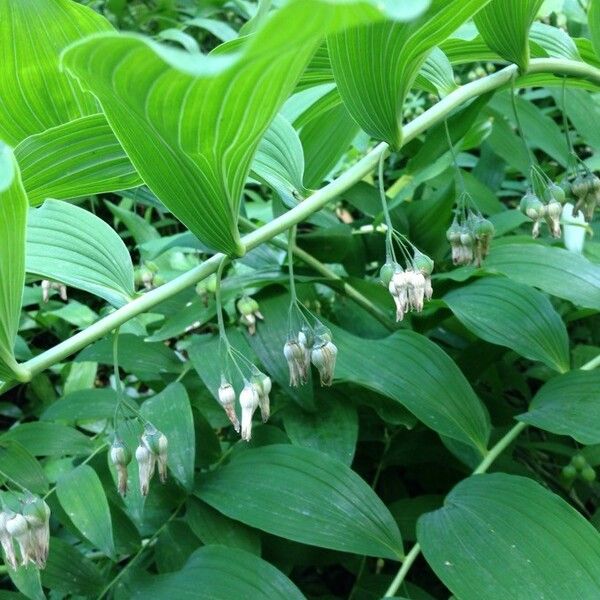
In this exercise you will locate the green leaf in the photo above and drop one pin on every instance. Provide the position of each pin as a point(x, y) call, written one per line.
point(375, 65)
point(70, 572)
point(554, 270)
point(13, 220)
point(568, 405)
point(305, 496)
point(212, 528)
point(500, 536)
point(82, 496)
point(34, 94)
point(141, 230)
point(332, 429)
point(49, 439)
point(82, 405)
point(514, 315)
point(18, 464)
point(279, 160)
point(436, 75)
point(69, 244)
point(196, 158)
point(222, 574)
point(504, 25)
point(555, 41)
point(413, 371)
point(27, 581)
point(171, 413)
point(594, 24)
point(146, 359)
point(78, 158)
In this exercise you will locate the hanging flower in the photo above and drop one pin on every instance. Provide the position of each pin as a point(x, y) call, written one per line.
point(7, 541)
point(294, 354)
point(262, 383)
point(323, 356)
point(37, 515)
point(120, 456)
point(249, 400)
point(250, 312)
point(226, 396)
point(18, 528)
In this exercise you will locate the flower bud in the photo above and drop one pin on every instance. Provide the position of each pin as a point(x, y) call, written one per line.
point(422, 263)
point(226, 395)
point(386, 272)
point(158, 444)
point(483, 230)
point(453, 233)
point(146, 466)
point(249, 401)
point(249, 310)
point(323, 357)
point(263, 386)
point(37, 515)
point(6, 541)
point(581, 186)
point(553, 213)
point(295, 356)
point(555, 192)
point(18, 529)
point(120, 456)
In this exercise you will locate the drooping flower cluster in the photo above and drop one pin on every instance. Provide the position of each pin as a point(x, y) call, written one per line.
point(250, 312)
point(469, 235)
point(310, 344)
point(411, 286)
point(27, 531)
point(152, 452)
point(586, 191)
point(550, 211)
point(254, 394)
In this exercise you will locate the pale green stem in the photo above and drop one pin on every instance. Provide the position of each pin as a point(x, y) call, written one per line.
point(300, 212)
point(592, 364)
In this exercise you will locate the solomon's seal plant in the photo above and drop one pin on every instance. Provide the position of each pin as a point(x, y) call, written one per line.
point(310, 347)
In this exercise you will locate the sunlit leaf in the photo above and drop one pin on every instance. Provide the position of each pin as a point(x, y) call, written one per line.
point(69, 244)
point(225, 103)
point(13, 220)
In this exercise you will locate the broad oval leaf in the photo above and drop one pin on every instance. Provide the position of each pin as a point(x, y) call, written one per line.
point(17, 463)
point(69, 244)
point(514, 315)
point(49, 439)
point(196, 158)
point(504, 25)
point(221, 573)
point(82, 405)
point(556, 271)
point(13, 221)
point(171, 413)
point(375, 65)
point(413, 371)
point(501, 536)
point(77, 158)
point(34, 95)
point(82, 496)
point(568, 405)
point(306, 496)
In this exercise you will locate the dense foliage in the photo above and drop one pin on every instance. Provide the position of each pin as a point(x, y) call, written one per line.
point(300, 299)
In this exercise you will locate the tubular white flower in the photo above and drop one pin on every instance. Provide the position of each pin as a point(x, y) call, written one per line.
point(146, 465)
point(226, 395)
point(6, 541)
point(18, 528)
point(249, 401)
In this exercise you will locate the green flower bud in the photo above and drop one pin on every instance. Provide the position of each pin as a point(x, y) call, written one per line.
point(569, 472)
point(579, 461)
point(453, 233)
point(422, 263)
point(386, 272)
point(588, 474)
point(555, 192)
point(532, 206)
point(211, 283)
point(581, 186)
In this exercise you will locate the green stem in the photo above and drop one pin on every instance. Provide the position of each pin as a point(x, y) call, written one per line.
point(290, 253)
point(300, 212)
point(222, 333)
point(461, 181)
point(483, 466)
point(389, 244)
point(592, 364)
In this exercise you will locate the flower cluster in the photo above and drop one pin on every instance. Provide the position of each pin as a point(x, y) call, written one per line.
point(151, 453)
point(533, 207)
point(48, 286)
point(29, 530)
point(586, 190)
point(310, 345)
point(254, 394)
point(409, 286)
point(469, 235)
point(147, 276)
point(250, 312)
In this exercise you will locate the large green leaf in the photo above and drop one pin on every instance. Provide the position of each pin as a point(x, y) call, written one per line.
point(568, 405)
point(375, 65)
point(500, 536)
point(511, 314)
point(306, 496)
point(34, 95)
point(13, 221)
point(218, 573)
point(48, 439)
point(413, 371)
point(171, 413)
point(594, 24)
point(82, 496)
point(19, 465)
point(196, 157)
point(553, 270)
point(504, 25)
point(75, 159)
point(69, 244)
